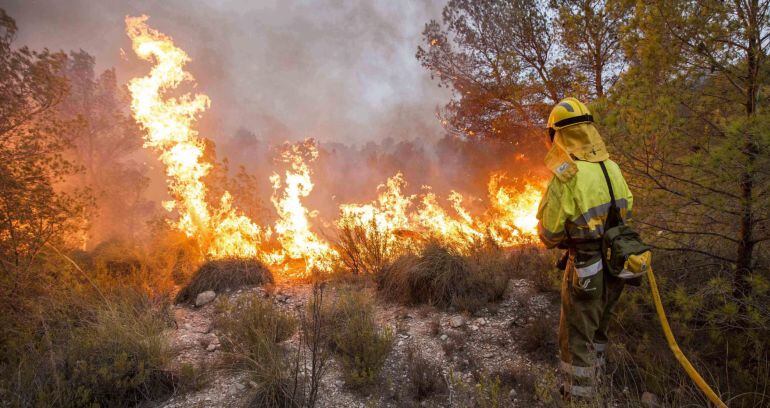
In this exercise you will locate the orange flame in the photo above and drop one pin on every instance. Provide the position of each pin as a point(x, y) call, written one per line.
point(223, 231)
point(168, 122)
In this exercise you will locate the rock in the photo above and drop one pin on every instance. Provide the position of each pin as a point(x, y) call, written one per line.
point(650, 400)
point(456, 321)
point(444, 337)
point(473, 327)
point(512, 394)
point(213, 347)
point(240, 386)
point(205, 298)
point(481, 321)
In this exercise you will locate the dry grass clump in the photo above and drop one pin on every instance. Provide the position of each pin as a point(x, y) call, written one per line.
point(539, 338)
point(356, 338)
point(425, 377)
point(252, 330)
point(364, 249)
point(442, 275)
point(84, 350)
point(225, 274)
point(537, 265)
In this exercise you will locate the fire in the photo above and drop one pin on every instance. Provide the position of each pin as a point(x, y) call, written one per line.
point(168, 122)
point(291, 245)
point(510, 219)
point(293, 225)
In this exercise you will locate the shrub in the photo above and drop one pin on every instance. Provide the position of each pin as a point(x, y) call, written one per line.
point(251, 330)
point(539, 338)
point(86, 352)
point(363, 249)
point(356, 337)
point(225, 274)
point(537, 265)
point(425, 377)
point(443, 276)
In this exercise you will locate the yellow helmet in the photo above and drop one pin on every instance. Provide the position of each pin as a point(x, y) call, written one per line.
point(568, 112)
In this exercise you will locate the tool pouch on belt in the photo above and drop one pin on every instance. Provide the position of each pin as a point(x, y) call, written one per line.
point(626, 256)
point(587, 278)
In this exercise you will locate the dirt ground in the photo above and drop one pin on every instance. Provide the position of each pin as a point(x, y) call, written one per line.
point(497, 342)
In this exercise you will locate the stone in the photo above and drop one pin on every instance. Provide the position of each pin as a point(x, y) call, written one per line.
point(473, 327)
point(240, 386)
point(444, 337)
point(650, 400)
point(205, 298)
point(512, 394)
point(456, 321)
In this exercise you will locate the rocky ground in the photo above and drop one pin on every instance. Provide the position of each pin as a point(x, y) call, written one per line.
point(499, 341)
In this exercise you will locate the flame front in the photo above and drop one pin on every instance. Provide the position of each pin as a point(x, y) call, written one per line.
point(168, 122)
point(223, 231)
point(510, 219)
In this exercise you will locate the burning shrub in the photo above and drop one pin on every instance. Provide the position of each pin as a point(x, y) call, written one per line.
point(363, 249)
point(442, 275)
point(356, 337)
point(225, 274)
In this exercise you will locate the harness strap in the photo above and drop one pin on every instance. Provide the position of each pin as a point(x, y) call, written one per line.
point(613, 215)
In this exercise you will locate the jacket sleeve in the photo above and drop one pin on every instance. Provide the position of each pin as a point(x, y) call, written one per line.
point(553, 213)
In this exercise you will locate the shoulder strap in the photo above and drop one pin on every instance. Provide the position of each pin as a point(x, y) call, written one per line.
point(613, 215)
point(609, 183)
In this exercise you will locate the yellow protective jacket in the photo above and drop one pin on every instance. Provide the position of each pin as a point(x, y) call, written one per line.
point(577, 207)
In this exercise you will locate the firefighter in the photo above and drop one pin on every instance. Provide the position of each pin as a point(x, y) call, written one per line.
point(572, 216)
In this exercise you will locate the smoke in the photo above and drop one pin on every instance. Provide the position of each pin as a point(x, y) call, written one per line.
point(334, 70)
point(342, 72)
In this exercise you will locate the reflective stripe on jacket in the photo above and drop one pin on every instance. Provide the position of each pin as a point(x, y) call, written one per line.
point(577, 208)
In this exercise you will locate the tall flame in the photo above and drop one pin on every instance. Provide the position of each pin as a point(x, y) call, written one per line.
point(168, 122)
point(293, 225)
point(222, 230)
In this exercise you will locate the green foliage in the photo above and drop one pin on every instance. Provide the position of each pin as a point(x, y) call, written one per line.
point(81, 351)
point(225, 274)
point(442, 275)
point(356, 338)
point(485, 392)
point(252, 330)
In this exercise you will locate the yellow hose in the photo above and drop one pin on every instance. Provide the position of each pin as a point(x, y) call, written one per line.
point(699, 381)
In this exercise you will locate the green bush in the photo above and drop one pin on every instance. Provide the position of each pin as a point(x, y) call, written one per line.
point(251, 332)
point(443, 276)
point(225, 274)
point(79, 351)
point(356, 338)
point(724, 336)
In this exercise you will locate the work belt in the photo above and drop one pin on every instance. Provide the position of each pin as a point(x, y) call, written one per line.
point(572, 246)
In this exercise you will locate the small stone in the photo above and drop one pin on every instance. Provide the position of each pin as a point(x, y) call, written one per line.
point(240, 386)
point(212, 347)
point(444, 337)
point(531, 319)
point(473, 327)
point(253, 384)
point(481, 321)
point(512, 394)
point(456, 321)
point(650, 400)
point(204, 298)
point(400, 343)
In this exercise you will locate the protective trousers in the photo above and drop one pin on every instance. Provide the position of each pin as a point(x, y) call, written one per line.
point(588, 295)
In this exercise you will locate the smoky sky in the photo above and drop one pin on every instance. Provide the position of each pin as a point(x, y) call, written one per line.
point(336, 70)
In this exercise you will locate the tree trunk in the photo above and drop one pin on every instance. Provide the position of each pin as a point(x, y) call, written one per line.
point(750, 150)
